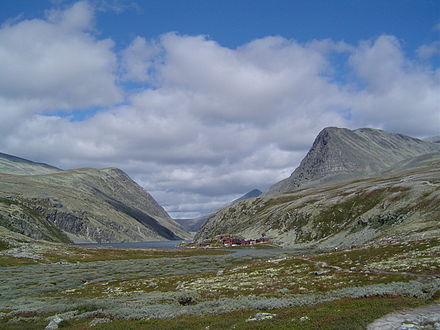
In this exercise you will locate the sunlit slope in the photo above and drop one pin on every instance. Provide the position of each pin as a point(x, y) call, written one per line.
point(83, 205)
point(339, 154)
point(15, 165)
point(400, 202)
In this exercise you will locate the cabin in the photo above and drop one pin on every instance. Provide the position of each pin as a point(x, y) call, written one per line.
point(228, 240)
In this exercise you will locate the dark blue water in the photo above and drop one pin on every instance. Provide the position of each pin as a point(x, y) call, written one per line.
point(140, 245)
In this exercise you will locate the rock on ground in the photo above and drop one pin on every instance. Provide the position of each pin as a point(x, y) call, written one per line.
point(427, 317)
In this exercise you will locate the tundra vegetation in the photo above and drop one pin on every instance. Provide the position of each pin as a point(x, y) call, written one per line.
point(78, 287)
point(352, 251)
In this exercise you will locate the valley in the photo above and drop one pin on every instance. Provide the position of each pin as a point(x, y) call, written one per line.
point(108, 288)
point(342, 249)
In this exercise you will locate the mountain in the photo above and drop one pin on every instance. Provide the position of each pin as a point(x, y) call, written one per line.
point(433, 139)
point(193, 225)
point(251, 194)
point(341, 154)
point(19, 166)
point(404, 201)
point(81, 205)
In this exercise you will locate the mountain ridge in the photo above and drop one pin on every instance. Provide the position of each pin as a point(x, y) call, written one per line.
point(14, 165)
point(339, 154)
point(350, 188)
point(343, 214)
point(82, 205)
point(251, 194)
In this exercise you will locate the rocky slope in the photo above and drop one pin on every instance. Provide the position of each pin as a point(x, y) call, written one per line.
point(403, 201)
point(341, 154)
point(83, 205)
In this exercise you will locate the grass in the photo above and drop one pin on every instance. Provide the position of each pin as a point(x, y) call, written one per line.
point(91, 254)
point(3, 246)
point(6, 261)
point(291, 276)
point(8, 201)
point(216, 291)
point(341, 314)
point(24, 325)
point(274, 280)
point(421, 256)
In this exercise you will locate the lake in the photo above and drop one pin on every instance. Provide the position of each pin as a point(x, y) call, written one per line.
point(140, 245)
point(173, 245)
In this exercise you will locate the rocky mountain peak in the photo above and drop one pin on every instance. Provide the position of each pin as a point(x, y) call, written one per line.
point(340, 153)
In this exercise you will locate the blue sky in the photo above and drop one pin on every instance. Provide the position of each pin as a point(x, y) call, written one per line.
point(201, 101)
point(232, 22)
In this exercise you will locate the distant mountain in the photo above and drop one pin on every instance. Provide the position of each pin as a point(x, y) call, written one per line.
point(82, 205)
point(401, 202)
point(193, 225)
point(341, 154)
point(250, 194)
point(433, 139)
point(20, 166)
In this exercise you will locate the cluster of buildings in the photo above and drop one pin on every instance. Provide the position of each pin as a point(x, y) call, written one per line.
point(228, 240)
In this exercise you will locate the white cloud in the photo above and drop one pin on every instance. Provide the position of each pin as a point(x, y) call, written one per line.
point(79, 17)
point(55, 64)
point(398, 94)
point(428, 51)
point(138, 59)
point(211, 122)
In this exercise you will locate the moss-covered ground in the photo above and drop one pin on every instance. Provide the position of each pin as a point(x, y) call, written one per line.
point(419, 257)
point(112, 288)
point(89, 254)
point(343, 314)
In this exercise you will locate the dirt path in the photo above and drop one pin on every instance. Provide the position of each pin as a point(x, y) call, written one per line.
point(427, 317)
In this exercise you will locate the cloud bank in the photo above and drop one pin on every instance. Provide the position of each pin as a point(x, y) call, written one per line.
point(197, 123)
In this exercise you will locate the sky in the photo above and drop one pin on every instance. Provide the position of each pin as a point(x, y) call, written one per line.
point(202, 101)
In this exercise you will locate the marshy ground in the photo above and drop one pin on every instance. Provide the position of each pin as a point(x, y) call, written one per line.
point(113, 288)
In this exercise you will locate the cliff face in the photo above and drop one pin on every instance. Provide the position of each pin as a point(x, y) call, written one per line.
point(339, 154)
point(83, 205)
point(403, 201)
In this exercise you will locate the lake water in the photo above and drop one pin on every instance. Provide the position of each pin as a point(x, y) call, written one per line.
point(140, 245)
point(173, 245)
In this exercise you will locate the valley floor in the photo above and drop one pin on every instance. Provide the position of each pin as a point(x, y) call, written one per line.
point(109, 288)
